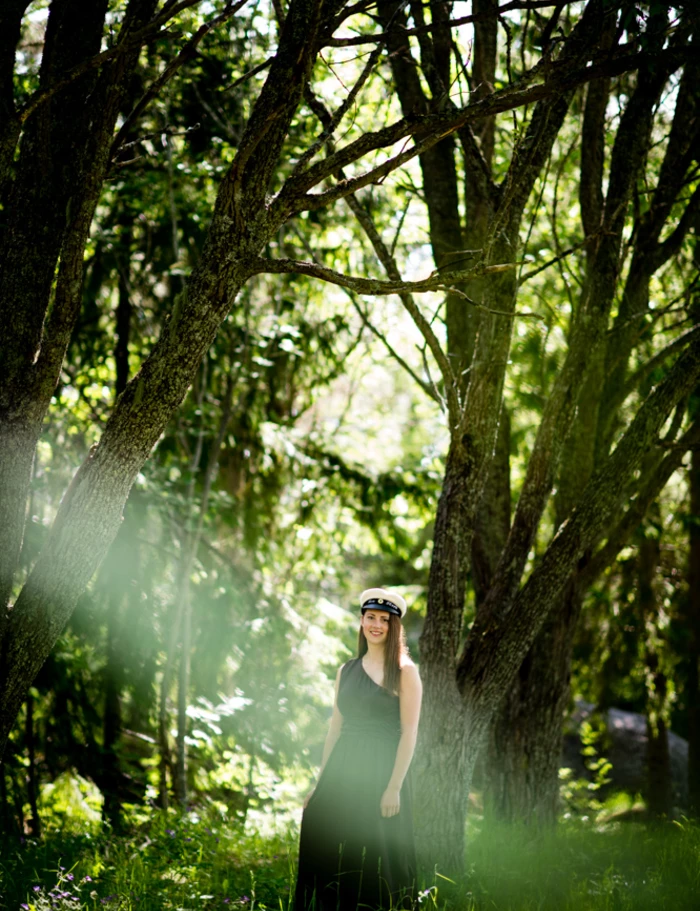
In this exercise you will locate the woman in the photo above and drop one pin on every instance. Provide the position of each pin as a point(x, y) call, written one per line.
point(356, 848)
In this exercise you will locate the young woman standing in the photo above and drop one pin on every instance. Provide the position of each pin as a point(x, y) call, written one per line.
point(356, 847)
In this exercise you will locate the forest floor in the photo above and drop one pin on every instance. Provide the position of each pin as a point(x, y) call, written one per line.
point(184, 863)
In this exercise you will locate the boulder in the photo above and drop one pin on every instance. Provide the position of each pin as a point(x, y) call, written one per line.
point(624, 744)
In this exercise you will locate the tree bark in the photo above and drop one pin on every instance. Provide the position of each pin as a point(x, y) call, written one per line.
point(478, 345)
point(63, 159)
point(525, 744)
point(112, 717)
point(692, 696)
point(440, 808)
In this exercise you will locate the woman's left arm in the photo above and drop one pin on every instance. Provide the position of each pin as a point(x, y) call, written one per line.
point(410, 698)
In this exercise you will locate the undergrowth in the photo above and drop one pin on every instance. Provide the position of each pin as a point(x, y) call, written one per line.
point(181, 862)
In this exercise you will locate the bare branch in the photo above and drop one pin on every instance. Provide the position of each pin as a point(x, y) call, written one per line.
point(511, 314)
point(249, 75)
point(369, 286)
point(433, 127)
point(428, 388)
point(551, 262)
point(451, 23)
point(336, 118)
point(414, 311)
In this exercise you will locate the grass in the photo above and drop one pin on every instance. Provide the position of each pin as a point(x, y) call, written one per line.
point(183, 862)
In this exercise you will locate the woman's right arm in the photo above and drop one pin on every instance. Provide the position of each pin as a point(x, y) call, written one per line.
point(332, 736)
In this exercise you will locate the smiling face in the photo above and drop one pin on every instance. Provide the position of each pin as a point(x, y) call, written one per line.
point(375, 625)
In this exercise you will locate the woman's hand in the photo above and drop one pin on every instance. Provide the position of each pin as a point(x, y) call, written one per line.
point(309, 796)
point(390, 802)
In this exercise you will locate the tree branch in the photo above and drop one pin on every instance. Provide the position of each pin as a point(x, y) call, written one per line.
point(646, 369)
point(451, 23)
point(432, 127)
point(414, 311)
point(495, 648)
point(551, 262)
point(648, 492)
point(369, 286)
point(428, 388)
point(128, 42)
point(186, 53)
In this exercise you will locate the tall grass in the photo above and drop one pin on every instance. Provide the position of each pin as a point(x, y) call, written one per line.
point(183, 862)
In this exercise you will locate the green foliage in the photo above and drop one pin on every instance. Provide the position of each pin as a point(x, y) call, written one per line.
point(581, 796)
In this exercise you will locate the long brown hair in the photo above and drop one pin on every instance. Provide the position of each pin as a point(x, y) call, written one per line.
point(395, 649)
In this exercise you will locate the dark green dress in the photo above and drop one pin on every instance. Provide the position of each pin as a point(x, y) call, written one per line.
point(350, 856)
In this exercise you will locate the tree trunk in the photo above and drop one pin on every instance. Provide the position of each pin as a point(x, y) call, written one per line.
point(112, 720)
point(692, 696)
point(7, 822)
point(182, 695)
point(526, 741)
point(659, 783)
point(525, 744)
point(441, 757)
point(659, 780)
point(31, 770)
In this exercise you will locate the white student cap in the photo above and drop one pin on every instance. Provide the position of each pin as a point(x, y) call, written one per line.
point(381, 599)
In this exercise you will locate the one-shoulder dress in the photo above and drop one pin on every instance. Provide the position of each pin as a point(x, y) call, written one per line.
point(350, 856)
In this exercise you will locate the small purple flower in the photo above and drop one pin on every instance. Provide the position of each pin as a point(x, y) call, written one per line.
point(24, 907)
point(170, 832)
point(36, 888)
point(69, 876)
point(188, 839)
point(87, 879)
point(244, 899)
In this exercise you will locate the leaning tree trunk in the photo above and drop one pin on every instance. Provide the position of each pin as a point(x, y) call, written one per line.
point(90, 513)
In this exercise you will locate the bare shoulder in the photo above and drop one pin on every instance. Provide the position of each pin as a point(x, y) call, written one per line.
point(409, 671)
